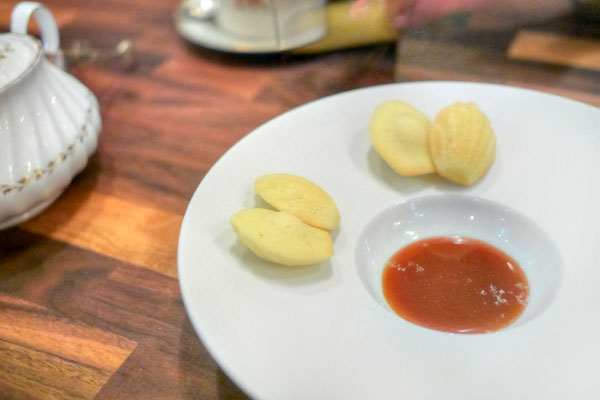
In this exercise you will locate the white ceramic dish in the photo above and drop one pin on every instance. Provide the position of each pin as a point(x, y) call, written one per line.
point(467, 216)
point(49, 121)
point(315, 332)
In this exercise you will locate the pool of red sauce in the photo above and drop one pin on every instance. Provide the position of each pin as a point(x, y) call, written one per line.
point(455, 284)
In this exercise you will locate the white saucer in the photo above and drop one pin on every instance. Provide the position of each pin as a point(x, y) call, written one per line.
point(206, 33)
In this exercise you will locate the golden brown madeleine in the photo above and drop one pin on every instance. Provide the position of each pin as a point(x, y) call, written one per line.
point(301, 197)
point(462, 143)
point(281, 237)
point(400, 134)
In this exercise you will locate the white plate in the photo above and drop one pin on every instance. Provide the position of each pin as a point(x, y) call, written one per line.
point(316, 333)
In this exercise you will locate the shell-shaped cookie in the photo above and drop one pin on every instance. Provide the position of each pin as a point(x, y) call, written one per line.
point(400, 134)
point(281, 237)
point(462, 143)
point(301, 197)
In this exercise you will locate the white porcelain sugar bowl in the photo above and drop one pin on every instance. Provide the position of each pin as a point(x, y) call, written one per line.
point(49, 121)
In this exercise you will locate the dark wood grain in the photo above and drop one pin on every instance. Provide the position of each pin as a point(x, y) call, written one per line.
point(89, 299)
point(471, 52)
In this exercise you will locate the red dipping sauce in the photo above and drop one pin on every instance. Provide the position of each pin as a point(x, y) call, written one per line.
point(455, 284)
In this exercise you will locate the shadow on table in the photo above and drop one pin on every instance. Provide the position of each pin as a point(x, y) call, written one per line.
point(227, 390)
point(67, 205)
point(199, 376)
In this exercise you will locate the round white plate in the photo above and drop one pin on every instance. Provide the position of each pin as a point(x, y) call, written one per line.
point(316, 332)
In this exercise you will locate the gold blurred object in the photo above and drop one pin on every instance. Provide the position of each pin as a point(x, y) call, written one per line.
point(369, 26)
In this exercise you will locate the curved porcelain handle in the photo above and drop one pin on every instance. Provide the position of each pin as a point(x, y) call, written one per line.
point(48, 28)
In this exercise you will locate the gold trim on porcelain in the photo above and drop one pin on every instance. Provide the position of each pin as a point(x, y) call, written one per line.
point(38, 173)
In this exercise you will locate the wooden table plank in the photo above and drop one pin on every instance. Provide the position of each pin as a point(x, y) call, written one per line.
point(139, 307)
point(44, 355)
point(67, 339)
point(29, 373)
point(483, 56)
point(118, 228)
point(556, 49)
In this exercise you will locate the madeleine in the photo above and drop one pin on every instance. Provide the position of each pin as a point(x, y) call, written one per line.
point(300, 197)
point(462, 143)
point(281, 237)
point(400, 134)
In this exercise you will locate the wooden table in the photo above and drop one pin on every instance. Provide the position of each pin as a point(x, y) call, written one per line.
point(89, 299)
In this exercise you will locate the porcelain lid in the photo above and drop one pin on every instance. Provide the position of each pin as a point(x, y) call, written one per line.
point(18, 54)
